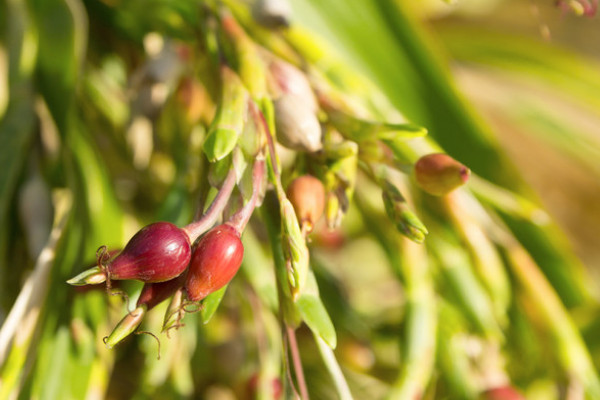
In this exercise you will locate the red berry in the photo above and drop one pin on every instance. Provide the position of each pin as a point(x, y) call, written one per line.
point(215, 261)
point(158, 252)
point(502, 393)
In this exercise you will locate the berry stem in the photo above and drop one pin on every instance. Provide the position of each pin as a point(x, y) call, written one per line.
point(240, 219)
point(291, 337)
point(210, 217)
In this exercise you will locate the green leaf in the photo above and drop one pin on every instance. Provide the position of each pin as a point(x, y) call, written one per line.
point(62, 29)
point(211, 303)
point(313, 312)
point(228, 124)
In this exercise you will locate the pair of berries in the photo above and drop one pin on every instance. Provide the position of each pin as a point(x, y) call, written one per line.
point(161, 252)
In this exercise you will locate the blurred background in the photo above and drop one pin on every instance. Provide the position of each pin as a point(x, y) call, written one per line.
point(95, 97)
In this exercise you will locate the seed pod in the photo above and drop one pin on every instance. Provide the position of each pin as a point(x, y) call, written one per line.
point(296, 124)
point(152, 295)
point(215, 261)
point(405, 220)
point(502, 393)
point(294, 249)
point(288, 79)
point(439, 174)
point(307, 195)
point(158, 252)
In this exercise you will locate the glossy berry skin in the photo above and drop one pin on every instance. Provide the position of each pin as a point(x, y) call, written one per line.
point(215, 261)
point(158, 252)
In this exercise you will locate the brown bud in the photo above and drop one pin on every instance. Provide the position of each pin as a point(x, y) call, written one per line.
point(439, 174)
point(307, 195)
point(287, 79)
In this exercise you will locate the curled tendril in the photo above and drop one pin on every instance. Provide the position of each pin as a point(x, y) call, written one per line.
point(176, 326)
point(195, 307)
point(102, 257)
point(105, 339)
point(154, 336)
point(123, 295)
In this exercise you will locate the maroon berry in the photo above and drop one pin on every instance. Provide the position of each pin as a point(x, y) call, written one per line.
point(216, 259)
point(159, 252)
point(155, 293)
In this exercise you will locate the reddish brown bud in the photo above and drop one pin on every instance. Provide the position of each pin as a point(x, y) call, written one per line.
point(158, 252)
point(502, 393)
point(439, 174)
point(276, 387)
point(215, 261)
point(155, 293)
point(307, 195)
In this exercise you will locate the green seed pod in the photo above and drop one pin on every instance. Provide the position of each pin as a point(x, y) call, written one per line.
point(294, 248)
point(405, 220)
point(229, 122)
point(439, 174)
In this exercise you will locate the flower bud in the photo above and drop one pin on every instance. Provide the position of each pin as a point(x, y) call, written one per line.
point(158, 252)
point(502, 393)
point(439, 174)
point(126, 326)
point(307, 195)
point(405, 220)
point(215, 261)
point(296, 124)
point(294, 249)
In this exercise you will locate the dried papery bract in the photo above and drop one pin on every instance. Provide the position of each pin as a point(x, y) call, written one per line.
point(307, 195)
point(158, 252)
point(439, 174)
point(216, 259)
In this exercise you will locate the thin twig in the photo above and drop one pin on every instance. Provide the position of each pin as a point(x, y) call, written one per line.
point(298, 371)
point(240, 219)
point(210, 217)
